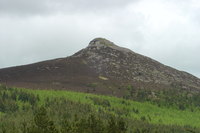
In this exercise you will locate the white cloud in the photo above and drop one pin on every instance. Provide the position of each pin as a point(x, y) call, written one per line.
point(167, 31)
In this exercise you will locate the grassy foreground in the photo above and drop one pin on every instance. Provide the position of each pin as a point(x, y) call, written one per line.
point(19, 112)
point(131, 109)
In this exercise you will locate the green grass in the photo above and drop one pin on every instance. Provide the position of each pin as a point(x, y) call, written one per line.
point(152, 113)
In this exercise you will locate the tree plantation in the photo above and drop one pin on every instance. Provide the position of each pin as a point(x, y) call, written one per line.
point(41, 111)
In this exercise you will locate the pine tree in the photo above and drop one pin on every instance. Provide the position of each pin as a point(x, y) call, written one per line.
point(112, 125)
point(66, 126)
point(42, 122)
point(41, 119)
point(122, 125)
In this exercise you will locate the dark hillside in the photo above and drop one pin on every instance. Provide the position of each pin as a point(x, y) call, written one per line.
point(102, 68)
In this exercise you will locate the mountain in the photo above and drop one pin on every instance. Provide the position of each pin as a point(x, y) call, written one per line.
point(103, 68)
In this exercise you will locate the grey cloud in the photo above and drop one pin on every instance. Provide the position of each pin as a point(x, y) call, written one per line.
point(56, 29)
point(41, 7)
point(25, 7)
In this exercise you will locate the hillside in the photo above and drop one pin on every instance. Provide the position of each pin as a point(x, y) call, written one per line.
point(102, 68)
point(50, 111)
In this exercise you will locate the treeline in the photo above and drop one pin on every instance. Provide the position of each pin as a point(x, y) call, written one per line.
point(175, 98)
point(30, 113)
point(10, 96)
point(87, 124)
point(55, 115)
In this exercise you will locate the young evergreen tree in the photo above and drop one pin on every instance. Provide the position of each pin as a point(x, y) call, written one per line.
point(42, 122)
point(122, 125)
point(112, 125)
point(66, 126)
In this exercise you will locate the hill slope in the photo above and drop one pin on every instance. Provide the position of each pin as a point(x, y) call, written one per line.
point(102, 68)
point(71, 111)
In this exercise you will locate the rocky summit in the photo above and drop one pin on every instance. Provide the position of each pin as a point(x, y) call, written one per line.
point(102, 67)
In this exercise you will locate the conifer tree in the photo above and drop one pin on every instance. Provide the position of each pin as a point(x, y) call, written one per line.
point(42, 122)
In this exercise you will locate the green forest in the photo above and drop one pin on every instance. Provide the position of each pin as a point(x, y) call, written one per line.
point(51, 111)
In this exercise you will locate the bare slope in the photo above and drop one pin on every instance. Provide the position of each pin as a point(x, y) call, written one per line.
point(102, 67)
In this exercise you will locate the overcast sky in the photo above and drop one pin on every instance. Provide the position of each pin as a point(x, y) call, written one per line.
point(36, 30)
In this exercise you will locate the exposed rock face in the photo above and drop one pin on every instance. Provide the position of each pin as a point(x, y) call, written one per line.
point(113, 61)
point(103, 66)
